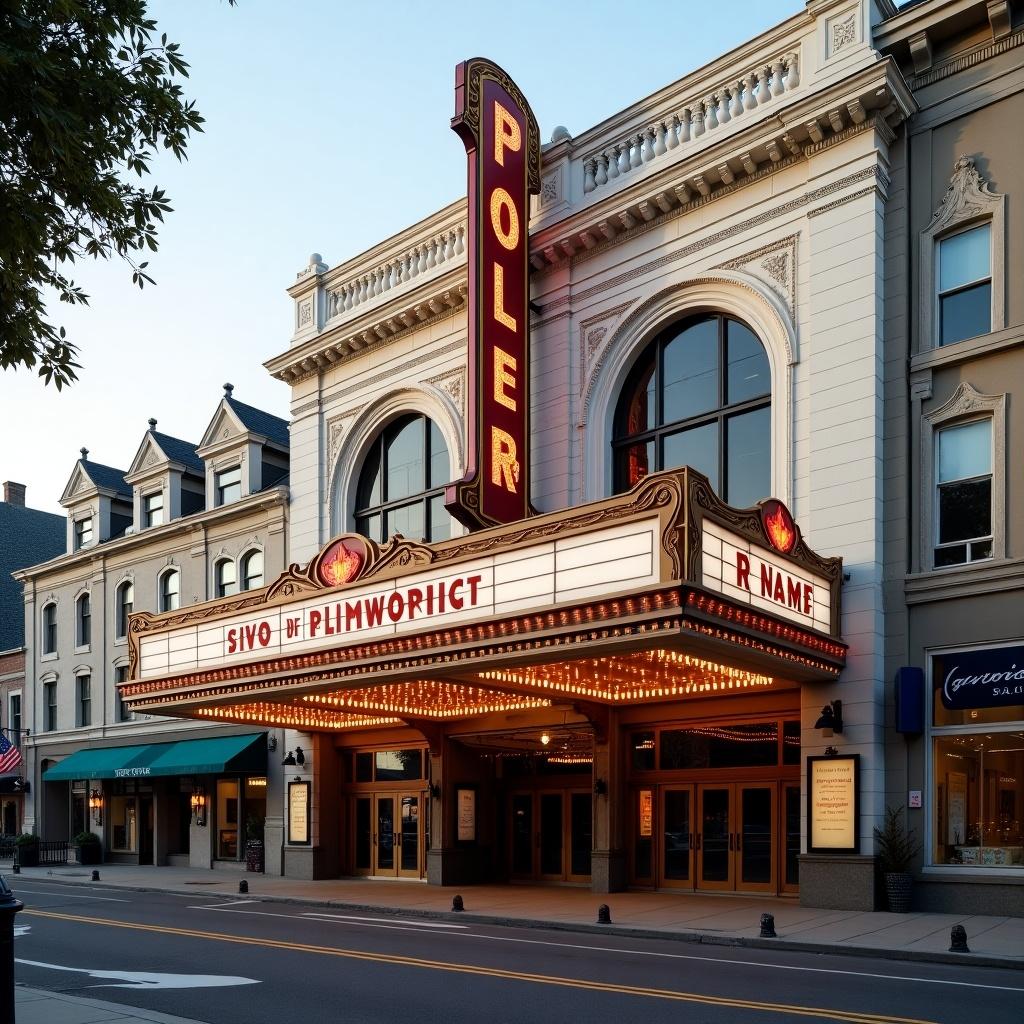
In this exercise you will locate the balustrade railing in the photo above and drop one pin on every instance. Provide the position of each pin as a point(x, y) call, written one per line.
point(753, 91)
point(443, 248)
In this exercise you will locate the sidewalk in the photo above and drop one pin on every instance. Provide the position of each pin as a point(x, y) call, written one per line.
point(32, 1006)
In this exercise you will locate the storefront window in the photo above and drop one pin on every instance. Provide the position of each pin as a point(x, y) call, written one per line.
point(720, 746)
point(227, 819)
point(642, 745)
point(977, 770)
point(398, 765)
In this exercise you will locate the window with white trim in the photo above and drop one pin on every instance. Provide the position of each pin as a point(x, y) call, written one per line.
point(50, 705)
point(225, 578)
point(153, 509)
point(50, 628)
point(252, 570)
point(14, 718)
point(83, 532)
point(963, 498)
point(228, 485)
point(123, 607)
point(83, 621)
point(121, 676)
point(964, 284)
point(83, 700)
point(170, 590)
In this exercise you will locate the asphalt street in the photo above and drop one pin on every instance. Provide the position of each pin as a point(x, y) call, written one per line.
point(228, 960)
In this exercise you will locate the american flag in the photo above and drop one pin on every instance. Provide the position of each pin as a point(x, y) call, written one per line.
point(10, 755)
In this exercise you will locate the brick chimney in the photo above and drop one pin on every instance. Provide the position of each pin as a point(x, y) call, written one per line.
point(14, 494)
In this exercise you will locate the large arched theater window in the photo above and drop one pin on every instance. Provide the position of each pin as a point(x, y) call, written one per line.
point(700, 396)
point(401, 483)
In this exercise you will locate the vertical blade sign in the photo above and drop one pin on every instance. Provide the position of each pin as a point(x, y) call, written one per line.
point(502, 144)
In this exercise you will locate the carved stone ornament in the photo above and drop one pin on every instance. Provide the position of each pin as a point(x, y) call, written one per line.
point(774, 264)
point(844, 32)
point(150, 460)
point(967, 196)
point(305, 312)
point(549, 189)
point(453, 384)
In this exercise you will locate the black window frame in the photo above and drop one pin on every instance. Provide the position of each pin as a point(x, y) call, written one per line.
point(243, 577)
point(83, 620)
point(50, 705)
point(220, 489)
point(122, 608)
point(220, 587)
point(83, 700)
point(14, 716)
point(719, 415)
point(364, 514)
point(165, 594)
point(148, 509)
point(121, 676)
point(49, 628)
point(81, 538)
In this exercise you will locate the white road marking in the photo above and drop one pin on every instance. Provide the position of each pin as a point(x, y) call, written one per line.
point(386, 921)
point(71, 896)
point(22, 929)
point(148, 980)
point(217, 906)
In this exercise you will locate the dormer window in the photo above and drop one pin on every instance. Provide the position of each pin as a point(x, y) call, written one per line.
point(228, 484)
point(153, 509)
point(83, 532)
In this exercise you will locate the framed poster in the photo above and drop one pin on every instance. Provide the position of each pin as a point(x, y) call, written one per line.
point(298, 813)
point(646, 812)
point(833, 804)
point(465, 809)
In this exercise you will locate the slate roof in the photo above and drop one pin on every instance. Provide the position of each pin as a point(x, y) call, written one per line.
point(106, 477)
point(259, 422)
point(180, 451)
point(27, 537)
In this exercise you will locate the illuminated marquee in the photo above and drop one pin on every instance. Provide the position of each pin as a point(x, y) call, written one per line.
point(502, 143)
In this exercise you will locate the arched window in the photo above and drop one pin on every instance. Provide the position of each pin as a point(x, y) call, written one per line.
point(700, 396)
point(50, 628)
point(170, 590)
point(125, 603)
point(252, 570)
point(225, 578)
point(401, 485)
point(83, 621)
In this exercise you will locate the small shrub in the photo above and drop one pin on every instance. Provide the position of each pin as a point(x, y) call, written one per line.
point(897, 846)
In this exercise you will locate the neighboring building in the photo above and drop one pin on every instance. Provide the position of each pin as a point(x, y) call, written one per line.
point(791, 270)
point(185, 523)
point(954, 363)
point(27, 535)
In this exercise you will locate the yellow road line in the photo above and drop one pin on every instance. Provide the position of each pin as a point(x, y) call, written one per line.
point(847, 1016)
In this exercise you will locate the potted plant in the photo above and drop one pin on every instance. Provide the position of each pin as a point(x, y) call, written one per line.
point(254, 844)
point(87, 847)
point(897, 848)
point(26, 850)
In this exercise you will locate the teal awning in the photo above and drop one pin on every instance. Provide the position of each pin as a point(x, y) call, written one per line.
point(240, 754)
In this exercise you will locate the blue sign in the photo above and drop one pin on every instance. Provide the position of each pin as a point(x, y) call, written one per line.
point(991, 678)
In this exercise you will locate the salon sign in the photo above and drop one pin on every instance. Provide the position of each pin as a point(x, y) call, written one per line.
point(989, 678)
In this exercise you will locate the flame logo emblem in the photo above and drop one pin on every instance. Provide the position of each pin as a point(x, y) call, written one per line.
point(341, 564)
point(779, 526)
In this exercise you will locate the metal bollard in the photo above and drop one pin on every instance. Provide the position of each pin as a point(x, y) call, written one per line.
point(457, 907)
point(604, 914)
point(95, 876)
point(9, 906)
point(243, 886)
point(768, 926)
point(958, 939)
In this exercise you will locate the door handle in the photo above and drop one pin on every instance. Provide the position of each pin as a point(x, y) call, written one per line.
point(698, 837)
point(738, 847)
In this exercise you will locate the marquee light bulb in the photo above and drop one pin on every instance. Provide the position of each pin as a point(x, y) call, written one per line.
point(545, 738)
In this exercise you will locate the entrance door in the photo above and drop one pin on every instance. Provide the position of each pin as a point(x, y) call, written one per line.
point(677, 840)
point(551, 835)
point(737, 837)
point(396, 841)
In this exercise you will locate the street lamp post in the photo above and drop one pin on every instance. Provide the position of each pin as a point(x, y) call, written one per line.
point(9, 906)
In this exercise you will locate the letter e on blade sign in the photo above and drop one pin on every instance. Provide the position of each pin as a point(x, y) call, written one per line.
point(502, 143)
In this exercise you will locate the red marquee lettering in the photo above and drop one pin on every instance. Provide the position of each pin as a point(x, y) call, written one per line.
point(742, 570)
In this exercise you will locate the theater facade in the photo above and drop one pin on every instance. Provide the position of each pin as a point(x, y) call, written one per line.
point(608, 694)
point(519, 640)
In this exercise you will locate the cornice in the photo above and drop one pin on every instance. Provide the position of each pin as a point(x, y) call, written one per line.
point(967, 60)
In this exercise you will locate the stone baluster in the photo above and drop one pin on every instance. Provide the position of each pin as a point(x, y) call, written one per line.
point(764, 92)
point(600, 174)
point(432, 254)
point(711, 106)
point(612, 157)
point(672, 138)
point(778, 70)
point(624, 162)
point(698, 120)
point(793, 77)
point(737, 99)
point(660, 149)
point(589, 178)
point(648, 151)
point(636, 151)
point(459, 246)
point(724, 116)
point(749, 98)
point(332, 305)
point(414, 262)
point(449, 246)
point(684, 126)
point(346, 297)
point(389, 277)
point(423, 259)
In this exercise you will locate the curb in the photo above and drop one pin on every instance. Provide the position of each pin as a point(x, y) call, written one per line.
point(694, 937)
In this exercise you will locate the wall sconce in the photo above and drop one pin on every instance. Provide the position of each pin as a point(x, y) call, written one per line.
point(199, 805)
point(96, 806)
point(831, 719)
point(289, 759)
point(600, 787)
point(435, 791)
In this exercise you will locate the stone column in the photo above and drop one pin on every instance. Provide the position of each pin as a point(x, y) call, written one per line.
point(608, 860)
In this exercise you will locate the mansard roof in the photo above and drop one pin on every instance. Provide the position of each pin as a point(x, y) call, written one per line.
point(88, 475)
point(273, 428)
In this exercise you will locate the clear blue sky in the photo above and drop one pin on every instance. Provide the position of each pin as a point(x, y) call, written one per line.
point(326, 131)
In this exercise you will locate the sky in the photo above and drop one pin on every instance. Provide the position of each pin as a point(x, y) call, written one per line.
point(327, 130)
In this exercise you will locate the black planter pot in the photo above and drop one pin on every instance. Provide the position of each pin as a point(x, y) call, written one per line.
point(91, 853)
point(254, 855)
point(899, 887)
point(28, 856)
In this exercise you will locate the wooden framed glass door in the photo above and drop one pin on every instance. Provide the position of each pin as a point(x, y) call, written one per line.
point(737, 840)
point(551, 835)
point(397, 836)
point(676, 829)
point(789, 831)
